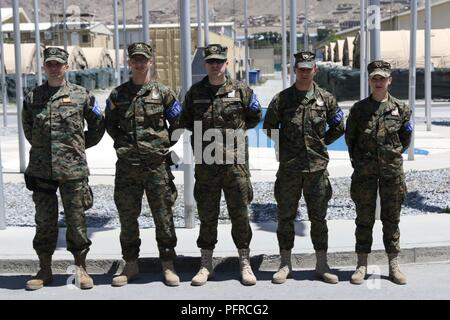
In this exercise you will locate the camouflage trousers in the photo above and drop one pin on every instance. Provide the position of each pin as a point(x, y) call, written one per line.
point(76, 198)
point(234, 180)
point(364, 193)
point(317, 191)
point(130, 184)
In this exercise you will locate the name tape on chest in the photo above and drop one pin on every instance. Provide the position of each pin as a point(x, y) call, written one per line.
point(202, 101)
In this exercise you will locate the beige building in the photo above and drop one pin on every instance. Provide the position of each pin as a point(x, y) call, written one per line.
point(95, 35)
point(7, 16)
point(440, 13)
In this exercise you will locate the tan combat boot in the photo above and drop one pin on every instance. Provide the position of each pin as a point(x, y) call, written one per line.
point(130, 271)
point(170, 276)
point(323, 270)
point(82, 277)
point(395, 275)
point(285, 269)
point(206, 271)
point(44, 275)
point(247, 276)
point(361, 269)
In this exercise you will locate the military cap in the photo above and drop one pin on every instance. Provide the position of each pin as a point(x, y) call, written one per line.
point(379, 67)
point(216, 51)
point(56, 54)
point(304, 59)
point(141, 48)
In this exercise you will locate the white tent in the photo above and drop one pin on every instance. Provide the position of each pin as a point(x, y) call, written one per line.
point(112, 55)
point(77, 60)
point(28, 54)
point(331, 47)
point(338, 51)
point(347, 54)
point(98, 58)
point(395, 48)
point(325, 53)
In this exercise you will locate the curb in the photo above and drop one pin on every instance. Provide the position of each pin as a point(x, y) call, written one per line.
point(225, 264)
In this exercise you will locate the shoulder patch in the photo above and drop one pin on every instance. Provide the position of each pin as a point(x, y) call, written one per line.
point(408, 126)
point(254, 103)
point(173, 111)
point(337, 118)
point(97, 110)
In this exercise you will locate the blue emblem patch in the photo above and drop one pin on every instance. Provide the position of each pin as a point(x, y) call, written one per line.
point(254, 103)
point(408, 127)
point(174, 111)
point(96, 109)
point(337, 117)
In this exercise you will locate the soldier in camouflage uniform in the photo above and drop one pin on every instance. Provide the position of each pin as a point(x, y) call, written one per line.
point(53, 118)
point(217, 104)
point(302, 113)
point(378, 132)
point(136, 116)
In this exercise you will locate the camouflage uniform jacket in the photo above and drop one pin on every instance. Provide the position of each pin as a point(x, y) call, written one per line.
point(303, 134)
point(137, 122)
point(377, 135)
point(233, 106)
point(54, 126)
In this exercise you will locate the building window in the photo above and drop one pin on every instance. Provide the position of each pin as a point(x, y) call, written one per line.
point(85, 38)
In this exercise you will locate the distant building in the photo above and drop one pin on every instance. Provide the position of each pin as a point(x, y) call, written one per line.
point(440, 11)
point(7, 16)
point(347, 24)
point(134, 31)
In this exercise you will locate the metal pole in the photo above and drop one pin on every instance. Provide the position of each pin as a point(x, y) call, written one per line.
point(199, 24)
point(428, 63)
point(116, 42)
point(412, 73)
point(145, 21)
point(246, 64)
point(367, 51)
point(234, 48)
point(293, 37)
point(186, 71)
point(375, 26)
point(305, 33)
point(126, 77)
point(362, 50)
point(37, 35)
point(2, 196)
point(3, 77)
point(19, 92)
point(64, 25)
point(206, 21)
point(283, 44)
point(65, 33)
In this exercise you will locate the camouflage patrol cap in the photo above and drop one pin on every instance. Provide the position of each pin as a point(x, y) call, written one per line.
point(216, 51)
point(55, 54)
point(305, 59)
point(141, 48)
point(379, 67)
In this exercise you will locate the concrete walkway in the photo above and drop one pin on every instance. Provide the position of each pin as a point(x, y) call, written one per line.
point(423, 238)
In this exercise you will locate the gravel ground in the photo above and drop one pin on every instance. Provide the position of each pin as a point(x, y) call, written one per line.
point(428, 193)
